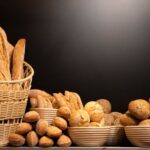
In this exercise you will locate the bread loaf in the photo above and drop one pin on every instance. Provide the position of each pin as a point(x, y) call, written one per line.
point(18, 59)
point(46, 142)
point(31, 116)
point(16, 140)
point(32, 139)
point(24, 128)
point(41, 127)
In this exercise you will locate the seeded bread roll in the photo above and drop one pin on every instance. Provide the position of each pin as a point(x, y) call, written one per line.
point(18, 59)
point(139, 108)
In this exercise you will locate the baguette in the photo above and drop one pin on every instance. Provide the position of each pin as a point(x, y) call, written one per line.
point(18, 59)
point(35, 92)
point(4, 61)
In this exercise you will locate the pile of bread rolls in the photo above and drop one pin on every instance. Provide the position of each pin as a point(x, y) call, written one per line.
point(34, 131)
point(138, 113)
point(11, 61)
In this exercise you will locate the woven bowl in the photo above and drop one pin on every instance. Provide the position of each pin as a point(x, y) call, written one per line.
point(116, 135)
point(89, 136)
point(46, 113)
point(138, 135)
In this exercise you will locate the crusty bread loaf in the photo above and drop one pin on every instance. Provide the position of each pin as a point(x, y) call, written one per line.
point(4, 61)
point(18, 59)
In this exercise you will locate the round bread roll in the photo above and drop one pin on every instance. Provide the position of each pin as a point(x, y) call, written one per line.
point(117, 122)
point(32, 139)
point(96, 116)
point(31, 116)
point(16, 140)
point(64, 141)
point(94, 124)
point(41, 127)
point(128, 120)
point(109, 119)
point(46, 142)
point(64, 112)
point(60, 123)
point(24, 128)
point(78, 118)
point(54, 132)
point(92, 106)
point(116, 115)
point(145, 122)
point(105, 104)
point(139, 108)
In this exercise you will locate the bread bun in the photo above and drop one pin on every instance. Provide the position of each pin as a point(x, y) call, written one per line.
point(31, 116)
point(60, 123)
point(64, 141)
point(46, 142)
point(139, 108)
point(145, 122)
point(54, 132)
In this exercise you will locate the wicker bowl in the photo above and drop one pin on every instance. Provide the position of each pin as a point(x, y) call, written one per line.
point(116, 135)
point(46, 113)
point(89, 136)
point(138, 135)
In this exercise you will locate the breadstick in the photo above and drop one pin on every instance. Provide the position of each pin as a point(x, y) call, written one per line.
point(18, 59)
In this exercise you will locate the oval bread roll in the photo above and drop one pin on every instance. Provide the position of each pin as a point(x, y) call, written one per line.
point(145, 122)
point(32, 139)
point(64, 141)
point(41, 127)
point(24, 128)
point(60, 123)
point(64, 112)
point(31, 116)
point(46, 142)
point(16, 140)
point(54, 132)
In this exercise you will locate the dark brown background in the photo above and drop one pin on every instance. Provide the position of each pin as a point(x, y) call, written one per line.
point(98, 48)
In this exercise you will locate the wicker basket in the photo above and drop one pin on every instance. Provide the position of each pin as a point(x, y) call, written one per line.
point(6, 127)
point(13, 102)
point(46, 113)
point(14, 95)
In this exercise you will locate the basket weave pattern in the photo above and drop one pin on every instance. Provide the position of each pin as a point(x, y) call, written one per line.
point(13, 102)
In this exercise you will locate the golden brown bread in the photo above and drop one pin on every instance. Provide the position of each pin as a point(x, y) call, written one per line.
point(64, 141)
point(64, 112)
point(33, 102)
point(128, 120)
point(41, 127)
point(109, 119)
point(18, 59)
point(24, 128)
point(46, 142)
point(60, 123)
point(54, 132)
point(31, 116)
point(116, 115)
point(32, 139)
point(16, 139)
point(4, 61)
point(145, 122)
point(139, 108)
point(96, 116)
point(105, 104)
point(78, 118)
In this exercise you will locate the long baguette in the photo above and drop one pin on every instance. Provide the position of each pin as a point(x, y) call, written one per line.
point(4, 60)
point(18, 59)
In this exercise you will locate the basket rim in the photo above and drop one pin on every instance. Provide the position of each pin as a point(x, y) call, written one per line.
point(21, 80)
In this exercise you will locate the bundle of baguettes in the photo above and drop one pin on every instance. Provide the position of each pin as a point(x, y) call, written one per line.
point(11, 59)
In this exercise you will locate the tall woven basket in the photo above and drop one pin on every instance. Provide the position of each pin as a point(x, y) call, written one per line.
point(13, 102)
